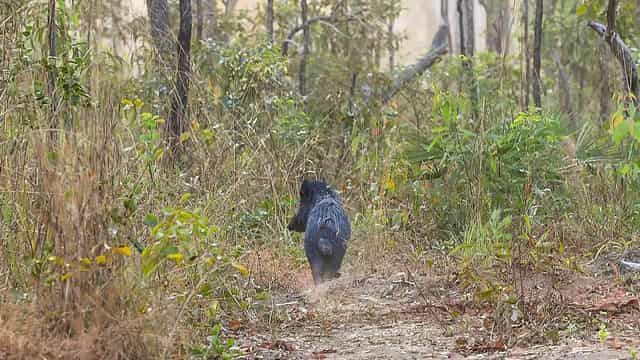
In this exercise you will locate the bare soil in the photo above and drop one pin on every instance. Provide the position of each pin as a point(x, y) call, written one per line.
point(408, 316)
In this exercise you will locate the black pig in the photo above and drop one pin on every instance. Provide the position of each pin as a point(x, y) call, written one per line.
point(326, 226)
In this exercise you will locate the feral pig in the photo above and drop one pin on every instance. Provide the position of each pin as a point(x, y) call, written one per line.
point(326, 229)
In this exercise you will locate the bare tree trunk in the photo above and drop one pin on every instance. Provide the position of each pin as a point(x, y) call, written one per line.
point(537, 48)
point(581, 83)
point(391, 45)
point(199, 20)
point(564, 85)
point(305, 45)
point(211, 18)
point(605, 91)
point(158, 13)
point(229, 6)
point(527, 51)
point(469, 29)
point(269, 21)
point(444, 13)
point(467, 48)
point(498, 23)
point(622, 52)
point(51, 76)
point(175, 125)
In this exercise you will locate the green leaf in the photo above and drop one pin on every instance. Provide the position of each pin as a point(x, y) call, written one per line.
point(184, 198)
point(582, 9)
point(150, 220)
point(168, 250)
point(149, 266)
point(241, 268)
point(620, 132)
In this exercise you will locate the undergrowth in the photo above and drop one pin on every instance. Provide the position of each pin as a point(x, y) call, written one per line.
point(107, 243)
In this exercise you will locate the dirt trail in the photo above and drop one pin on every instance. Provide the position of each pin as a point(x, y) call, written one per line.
point(375, 317)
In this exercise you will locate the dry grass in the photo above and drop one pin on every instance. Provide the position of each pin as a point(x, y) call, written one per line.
point(28, 332)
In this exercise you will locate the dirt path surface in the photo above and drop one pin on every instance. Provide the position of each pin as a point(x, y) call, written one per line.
point(399, 317)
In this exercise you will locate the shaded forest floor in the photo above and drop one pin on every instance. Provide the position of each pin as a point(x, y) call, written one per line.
point(400, 315)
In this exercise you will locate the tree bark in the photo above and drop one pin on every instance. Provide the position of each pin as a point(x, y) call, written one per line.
point(498, 24)
point(527, 67)
point(467, 32)
point(622, 53)
point(439, 47)
point(305, 46)
point(605, 92)
point(564, 84)
point(229, 5)
point(211, 19)
point(537, 48)
point(51, 76)
point(175, 125)
point(467, 48)
point(51, 27)
point(444, 13)
point(269, 21)
point(158, 13)
point(391, 45)
point(199, 20)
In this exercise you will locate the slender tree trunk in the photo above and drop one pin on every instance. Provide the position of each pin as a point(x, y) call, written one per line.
point(158, 13)
point(175, 125)
point(527, 67)
point(444, 13)
point(498, 19)
point(210, 19)
point(582, 73)
point(467, 48)
point(199, 20)
point(305, 46)
point(622, 52)
point(469, 30)
point(461, 33)
point(51, 76)
point(537, 48)
point(391, 45)
point(605, 91)
point(229, 6)
point(115, 28)
point(269, 21)
point(563, 84)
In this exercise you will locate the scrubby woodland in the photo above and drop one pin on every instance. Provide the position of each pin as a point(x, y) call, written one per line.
point(494, 195)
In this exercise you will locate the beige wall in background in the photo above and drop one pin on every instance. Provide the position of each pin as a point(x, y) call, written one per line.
point(418, 21)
